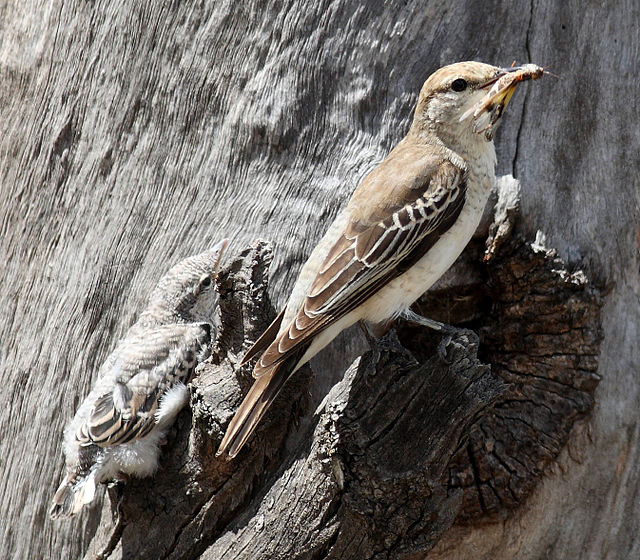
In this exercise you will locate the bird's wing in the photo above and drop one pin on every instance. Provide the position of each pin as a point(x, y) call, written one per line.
point(141, 369)
point(372, 252)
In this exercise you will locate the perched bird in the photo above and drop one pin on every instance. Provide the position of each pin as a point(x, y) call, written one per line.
point(404, 226)
point(141, 386)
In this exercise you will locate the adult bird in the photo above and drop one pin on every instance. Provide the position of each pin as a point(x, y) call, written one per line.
point(404, 226)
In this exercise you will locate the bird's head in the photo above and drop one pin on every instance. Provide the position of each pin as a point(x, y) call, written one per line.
point(186, 293)
point(462, 103)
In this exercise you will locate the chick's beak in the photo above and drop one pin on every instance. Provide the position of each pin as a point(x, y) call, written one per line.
point(219, 248)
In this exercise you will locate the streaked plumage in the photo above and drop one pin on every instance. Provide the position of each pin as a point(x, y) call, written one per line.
point(403, 228)
point(142, 385)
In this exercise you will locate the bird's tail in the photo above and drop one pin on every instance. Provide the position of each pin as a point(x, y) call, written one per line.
point(74, 492)
point(255, 404)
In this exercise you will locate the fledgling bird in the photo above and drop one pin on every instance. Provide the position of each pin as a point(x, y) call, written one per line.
point(404, 226)
point(142, 385)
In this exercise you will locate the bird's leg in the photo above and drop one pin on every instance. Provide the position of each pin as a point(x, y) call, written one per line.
point(119, 512)
point(413, 317)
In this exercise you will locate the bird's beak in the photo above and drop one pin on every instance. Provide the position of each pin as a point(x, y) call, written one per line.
point(219, 248)
point(488, 111)
point(505, 83)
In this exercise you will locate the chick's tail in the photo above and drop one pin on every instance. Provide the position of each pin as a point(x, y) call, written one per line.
point(75, 491)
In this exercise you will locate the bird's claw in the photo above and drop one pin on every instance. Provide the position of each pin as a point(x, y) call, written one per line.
point(454, 340)
point(443, 353)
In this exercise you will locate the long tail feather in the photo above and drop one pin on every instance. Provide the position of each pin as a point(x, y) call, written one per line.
point(255, 404)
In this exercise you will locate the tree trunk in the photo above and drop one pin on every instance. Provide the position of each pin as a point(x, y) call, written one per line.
point(135, 134)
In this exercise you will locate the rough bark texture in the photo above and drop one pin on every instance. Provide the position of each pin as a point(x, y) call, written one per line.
point(134, 134)
point(539, 328)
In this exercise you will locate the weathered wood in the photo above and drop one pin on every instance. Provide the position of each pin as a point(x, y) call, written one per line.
point(134, 134)
point(539, 328)
point(345, 491)
point(473, 443)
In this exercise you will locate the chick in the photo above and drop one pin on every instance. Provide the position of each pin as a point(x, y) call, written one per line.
point(142, 385)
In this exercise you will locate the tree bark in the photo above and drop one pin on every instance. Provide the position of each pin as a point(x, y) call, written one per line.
point(135, 134)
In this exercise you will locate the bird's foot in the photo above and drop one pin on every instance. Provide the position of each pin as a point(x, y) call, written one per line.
point(451, 344)
point(379, 336)
point(449, 333)
point(368, 333)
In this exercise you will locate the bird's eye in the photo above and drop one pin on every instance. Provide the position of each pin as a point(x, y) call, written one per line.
point(459, 85)
point(205, 281)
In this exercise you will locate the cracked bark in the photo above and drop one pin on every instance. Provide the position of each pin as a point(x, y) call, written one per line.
point(539, 328)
